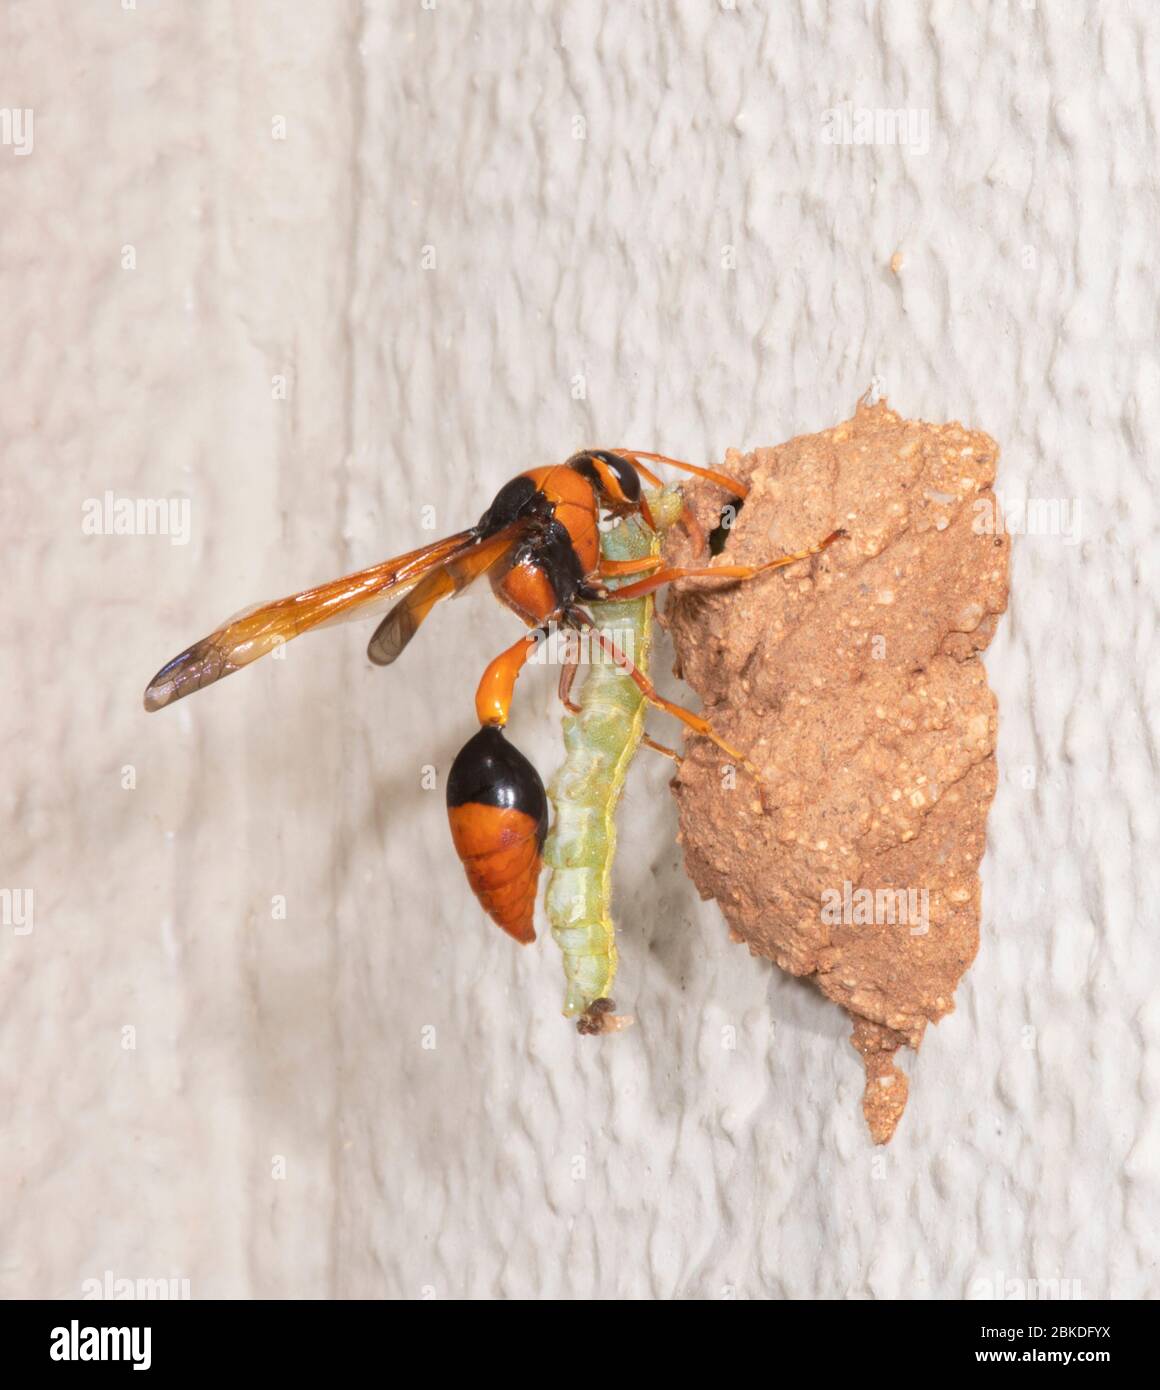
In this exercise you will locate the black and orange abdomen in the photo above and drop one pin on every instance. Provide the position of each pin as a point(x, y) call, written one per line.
point(499, 816)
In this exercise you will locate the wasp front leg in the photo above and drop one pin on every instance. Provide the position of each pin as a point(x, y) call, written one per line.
point(497, 805)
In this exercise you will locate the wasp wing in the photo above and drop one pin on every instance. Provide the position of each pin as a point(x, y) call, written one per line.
point(451, 578)
point(260, 630)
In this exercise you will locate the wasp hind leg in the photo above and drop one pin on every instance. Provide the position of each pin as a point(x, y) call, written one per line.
point(497, 805)
point(698, 723)
point(661, 748)
point(568, 670)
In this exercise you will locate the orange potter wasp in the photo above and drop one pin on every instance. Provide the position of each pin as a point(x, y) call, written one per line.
point(539, 545)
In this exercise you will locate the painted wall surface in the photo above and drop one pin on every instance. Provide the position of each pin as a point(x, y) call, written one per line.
point(330, 274)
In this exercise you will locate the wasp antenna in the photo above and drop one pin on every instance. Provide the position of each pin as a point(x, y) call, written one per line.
point(712, 475)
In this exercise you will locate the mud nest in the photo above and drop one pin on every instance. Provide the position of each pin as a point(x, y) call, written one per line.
point(854, 684)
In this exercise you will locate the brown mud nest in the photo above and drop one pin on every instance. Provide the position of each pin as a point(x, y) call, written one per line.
point(853, 682)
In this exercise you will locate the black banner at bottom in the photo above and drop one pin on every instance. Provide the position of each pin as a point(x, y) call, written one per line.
point(176, 1339)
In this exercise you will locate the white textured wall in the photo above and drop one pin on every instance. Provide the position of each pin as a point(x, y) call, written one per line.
point(1026, 305)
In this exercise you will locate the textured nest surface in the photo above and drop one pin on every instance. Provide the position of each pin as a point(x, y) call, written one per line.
point(853, 682)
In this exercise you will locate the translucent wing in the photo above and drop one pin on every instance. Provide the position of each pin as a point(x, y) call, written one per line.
point(260, 630)
point(452, 577)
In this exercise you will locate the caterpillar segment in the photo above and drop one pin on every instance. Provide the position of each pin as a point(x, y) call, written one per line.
point(600, 740)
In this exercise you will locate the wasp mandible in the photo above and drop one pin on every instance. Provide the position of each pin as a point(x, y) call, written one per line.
point(539, 545)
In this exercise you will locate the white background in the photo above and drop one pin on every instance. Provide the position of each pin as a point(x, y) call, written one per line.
point(513, 1158)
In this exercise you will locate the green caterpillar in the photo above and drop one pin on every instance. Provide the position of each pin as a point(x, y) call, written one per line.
point(600, 743)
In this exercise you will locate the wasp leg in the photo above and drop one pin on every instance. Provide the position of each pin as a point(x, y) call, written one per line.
point(567, 678)
point(611, 569)
point(695, 722)
point(654, 581)
point(661, 748)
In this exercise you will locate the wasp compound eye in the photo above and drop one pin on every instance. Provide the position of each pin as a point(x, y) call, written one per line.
point(624, 473)
point(498, 811)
